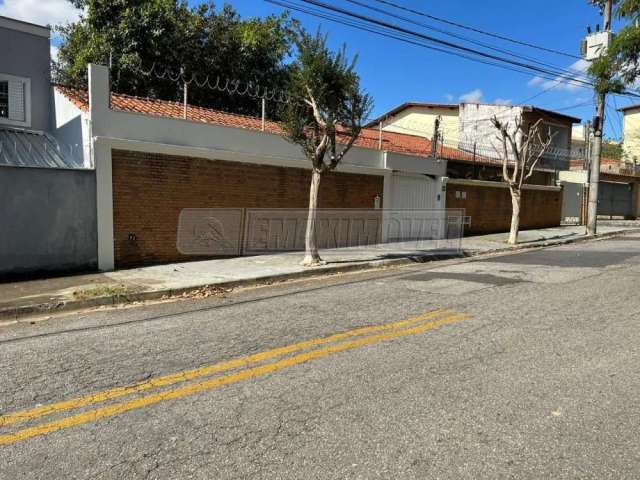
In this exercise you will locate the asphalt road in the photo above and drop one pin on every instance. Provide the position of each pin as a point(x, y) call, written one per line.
point(519, 366)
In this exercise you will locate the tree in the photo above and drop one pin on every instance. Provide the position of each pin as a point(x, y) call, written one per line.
point(324, 116)
point(134, 35)
point(522, 148)
point(620, 65)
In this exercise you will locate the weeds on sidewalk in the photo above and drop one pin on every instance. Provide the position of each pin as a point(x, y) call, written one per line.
point(116, 291)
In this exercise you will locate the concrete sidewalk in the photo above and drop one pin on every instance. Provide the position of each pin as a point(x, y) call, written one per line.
point(22, 299)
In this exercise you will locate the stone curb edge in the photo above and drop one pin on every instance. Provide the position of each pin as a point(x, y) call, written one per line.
point(22, 313)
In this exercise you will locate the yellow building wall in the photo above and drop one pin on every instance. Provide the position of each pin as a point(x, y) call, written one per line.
point(631, 137)
point(420, 120)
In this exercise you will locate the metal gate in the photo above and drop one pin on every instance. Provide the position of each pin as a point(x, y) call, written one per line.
point(615, 199)
point(572, 198)
point(412, 191)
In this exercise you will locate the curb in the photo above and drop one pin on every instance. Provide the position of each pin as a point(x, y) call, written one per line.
point(22, 313)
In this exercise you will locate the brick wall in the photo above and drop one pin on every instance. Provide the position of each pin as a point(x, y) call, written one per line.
point(490, 207)
point(150, 190)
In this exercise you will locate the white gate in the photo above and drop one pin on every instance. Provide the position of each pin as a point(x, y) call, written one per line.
point(412, 191)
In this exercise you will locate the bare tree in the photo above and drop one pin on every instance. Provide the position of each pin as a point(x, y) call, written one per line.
point(522, 149)
point(324, 117)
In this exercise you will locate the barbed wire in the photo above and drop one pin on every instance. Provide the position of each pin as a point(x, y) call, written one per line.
point(223, 85)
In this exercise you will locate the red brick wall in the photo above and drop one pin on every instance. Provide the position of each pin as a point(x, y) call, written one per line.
point(150, 190)
point(490, 207)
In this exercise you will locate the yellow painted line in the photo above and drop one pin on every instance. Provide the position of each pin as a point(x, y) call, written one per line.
point(163, 381)
point(191, 389)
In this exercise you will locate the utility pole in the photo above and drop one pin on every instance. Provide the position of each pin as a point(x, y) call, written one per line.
point(436, 137)
point(598, 127)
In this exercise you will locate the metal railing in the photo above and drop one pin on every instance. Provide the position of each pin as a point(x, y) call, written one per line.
point(487, 153)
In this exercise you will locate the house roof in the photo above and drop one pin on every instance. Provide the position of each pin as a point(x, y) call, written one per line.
point(629, 107)
point(406, 105)
point(553, 114)
point(369, 138)
point(455, 106)
point(25, 148)
point(532, 108)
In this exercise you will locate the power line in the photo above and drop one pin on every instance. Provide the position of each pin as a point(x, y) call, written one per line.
point(614, 129)
point(396, 36)
point(428, 38)
point(619, 116)
point(477, 30)
point(406, 39)
point(560, 70)
point(543, 73)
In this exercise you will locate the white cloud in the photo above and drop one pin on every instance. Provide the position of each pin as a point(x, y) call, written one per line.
point(502, 101)
point(54, 53)
point(563, 82)
point(449, 97)
point(474, 96)
point(40, 12)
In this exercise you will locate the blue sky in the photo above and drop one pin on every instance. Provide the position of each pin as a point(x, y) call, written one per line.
point(395, 72)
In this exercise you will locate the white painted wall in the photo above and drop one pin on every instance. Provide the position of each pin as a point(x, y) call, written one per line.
point(70, 127)
point(420, 121)
point(476, 126)
point(631, 135)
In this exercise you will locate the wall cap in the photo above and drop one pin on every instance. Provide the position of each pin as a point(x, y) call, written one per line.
point(486, 183)
point(25, 27)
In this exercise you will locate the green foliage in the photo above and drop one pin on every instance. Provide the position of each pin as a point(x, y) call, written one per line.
point(328, 105)
point(205, 41)
point(621, 65)
point(612, 149)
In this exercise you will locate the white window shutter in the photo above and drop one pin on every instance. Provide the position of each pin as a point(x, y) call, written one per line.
point(16, 101)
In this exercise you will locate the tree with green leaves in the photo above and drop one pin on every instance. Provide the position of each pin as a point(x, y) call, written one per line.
point(620, 66)
point(324, 116)
point(134, 35)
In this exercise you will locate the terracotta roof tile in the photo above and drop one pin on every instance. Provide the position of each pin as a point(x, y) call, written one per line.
point(369, 138)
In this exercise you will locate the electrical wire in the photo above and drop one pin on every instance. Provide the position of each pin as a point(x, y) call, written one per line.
point(477, 30)
point(363, 18)
point(407, 39)
point(619, 116)
point(441, 42)
point(614, 130)
point(560, 70)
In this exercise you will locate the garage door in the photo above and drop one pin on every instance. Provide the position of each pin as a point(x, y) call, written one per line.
point(615, 199)
point(412, 191)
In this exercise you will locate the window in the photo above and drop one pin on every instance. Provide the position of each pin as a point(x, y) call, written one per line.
point(4, 99)
point(15, 101)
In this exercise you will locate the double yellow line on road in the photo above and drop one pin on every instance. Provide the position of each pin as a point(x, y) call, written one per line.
point(371, 335)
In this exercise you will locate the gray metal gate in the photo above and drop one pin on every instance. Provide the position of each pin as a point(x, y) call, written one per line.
point(615, 199)
point(572, 203)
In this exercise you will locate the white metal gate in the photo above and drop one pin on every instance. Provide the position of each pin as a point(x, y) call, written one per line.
point(412, 191)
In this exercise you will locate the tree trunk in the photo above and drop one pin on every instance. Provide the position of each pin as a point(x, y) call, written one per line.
point(312, 258)
point(515, 215)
